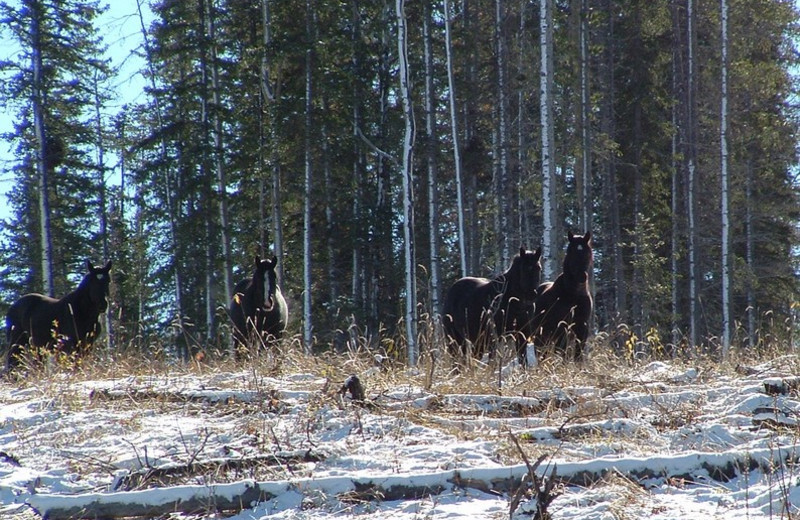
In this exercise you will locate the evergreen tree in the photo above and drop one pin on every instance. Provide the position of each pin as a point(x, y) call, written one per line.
point(55, 84)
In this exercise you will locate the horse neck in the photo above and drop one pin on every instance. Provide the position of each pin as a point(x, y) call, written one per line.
point(503, 284)
point(572, 281)
point(79, 300)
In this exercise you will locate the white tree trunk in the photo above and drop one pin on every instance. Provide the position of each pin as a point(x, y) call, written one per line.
point(222, 183)
point(726, 304)
point(307, 321)
point(456, 146)
point(102, 212)
point(691, 180)
point(408, 184)
point(675, 246)
point(269, 87)
point(46, 242)
point(432, 147)
point(205, 119)
point(585, 199)
point(750, 256)
point(549, 249)
point(504, 232)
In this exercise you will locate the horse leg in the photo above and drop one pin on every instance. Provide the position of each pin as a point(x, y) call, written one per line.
point(581, 333)
point(16, 338)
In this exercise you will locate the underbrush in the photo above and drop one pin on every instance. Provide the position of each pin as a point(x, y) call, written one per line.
point(276, 414)
point(607, 368)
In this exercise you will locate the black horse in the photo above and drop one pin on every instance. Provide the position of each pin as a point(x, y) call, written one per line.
point(563, 308)
point(472, 305)
point(258, 309)
point(69, 325)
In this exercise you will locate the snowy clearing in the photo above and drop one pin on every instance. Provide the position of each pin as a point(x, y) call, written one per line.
point(672, 442)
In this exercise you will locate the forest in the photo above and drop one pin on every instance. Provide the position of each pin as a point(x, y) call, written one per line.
point(381, 150)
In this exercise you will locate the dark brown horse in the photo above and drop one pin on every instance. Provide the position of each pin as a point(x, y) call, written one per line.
point(563, 308)
point(68, 325)
point(473, 305)
point(258, 309)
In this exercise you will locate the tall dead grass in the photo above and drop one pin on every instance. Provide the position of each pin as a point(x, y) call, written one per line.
point(382, 362)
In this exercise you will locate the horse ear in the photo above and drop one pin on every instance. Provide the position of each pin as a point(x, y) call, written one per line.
point(89, 265)
point(258, 260)
point(274, 261)
point(521, 250)
point(107, 266)
point(588, 237)
point(538, 252)
point(570, 235)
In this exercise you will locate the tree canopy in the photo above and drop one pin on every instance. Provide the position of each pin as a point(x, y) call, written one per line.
point(261, 117)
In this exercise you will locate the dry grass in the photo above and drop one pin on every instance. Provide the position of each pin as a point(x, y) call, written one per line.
point(587, 386)
point(605, 370)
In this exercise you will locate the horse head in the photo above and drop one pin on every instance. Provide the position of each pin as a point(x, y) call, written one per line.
point(266, 280)
point(529, 270)
point(578, 260)
point(97, 282)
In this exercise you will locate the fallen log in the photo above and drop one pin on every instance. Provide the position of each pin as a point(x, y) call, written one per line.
point(180, 396)
point(238, 496)
point(164, 473)
point(154, 502)
point(781, 386)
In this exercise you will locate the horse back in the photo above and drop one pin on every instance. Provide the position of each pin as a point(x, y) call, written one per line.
point(35, 315)
point(465, 306)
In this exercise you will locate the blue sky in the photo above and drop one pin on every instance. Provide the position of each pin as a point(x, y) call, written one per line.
point(121, 31)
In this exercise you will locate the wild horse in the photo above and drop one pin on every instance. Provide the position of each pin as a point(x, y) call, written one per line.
point(68, 325)
point(258, 309)
point(563, 308)
point(472, 305)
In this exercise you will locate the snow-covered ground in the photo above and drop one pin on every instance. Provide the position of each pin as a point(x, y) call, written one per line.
point(668, 443)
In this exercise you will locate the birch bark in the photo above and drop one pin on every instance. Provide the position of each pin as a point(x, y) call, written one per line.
point(408, 183)
point(549, 248)
point(456, 145)
point(726, 304)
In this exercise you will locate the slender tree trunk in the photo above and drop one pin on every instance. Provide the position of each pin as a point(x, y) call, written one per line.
point(330, 238)
point(266, 99)
point(637, 307)
point(678, 128)
point(408, 184)
point(750, 254)
point(471, 140)
point(549, 248)
point(615, 285)
point(42, 166)
point(691, 181)
point(219, 159)
point(432, 143)
point(524, 202)
point(308, 325)
point(584, 198)
point(503, 232)
point(269, 92)
point(168, 191)
point(462, 239)
point(355, 60)
point(379, 251)
point(102, 210)
point(723, 134)
point(205, 120)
